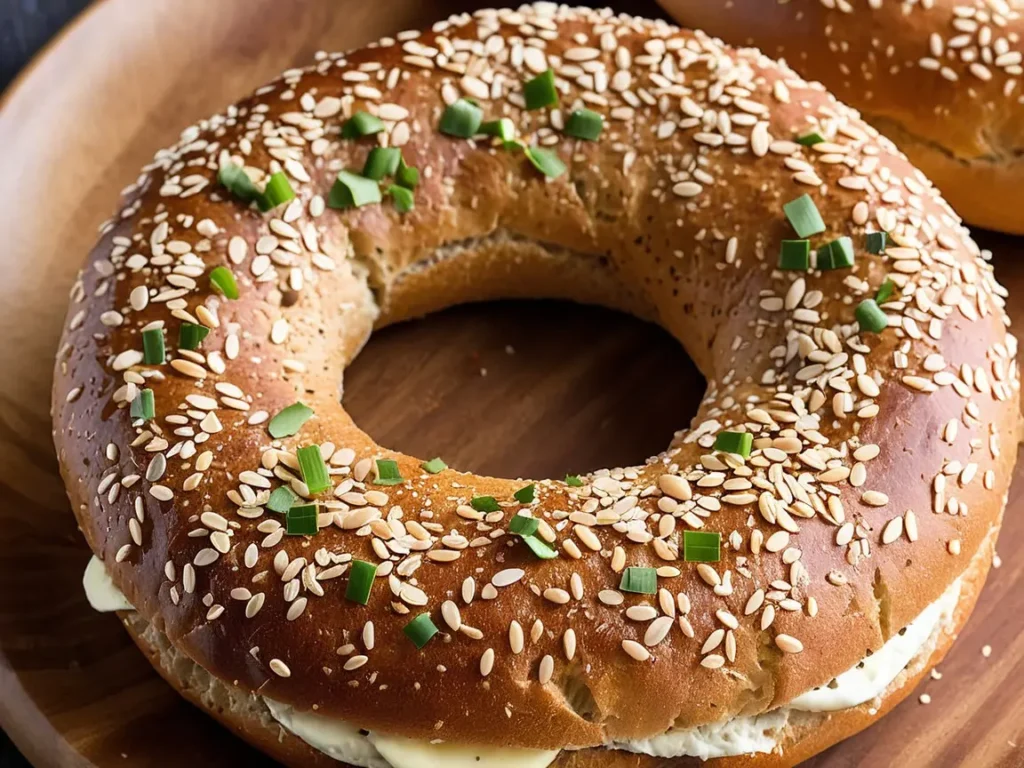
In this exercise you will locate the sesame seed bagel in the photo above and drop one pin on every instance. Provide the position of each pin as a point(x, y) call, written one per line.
point(941, 79)
point(849, 461)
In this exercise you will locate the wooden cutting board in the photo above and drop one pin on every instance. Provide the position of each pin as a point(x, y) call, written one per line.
point(500, 388)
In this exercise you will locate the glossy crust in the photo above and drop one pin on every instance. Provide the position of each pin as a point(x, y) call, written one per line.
point(966, 134)
point(247, 717)
point(828, 530)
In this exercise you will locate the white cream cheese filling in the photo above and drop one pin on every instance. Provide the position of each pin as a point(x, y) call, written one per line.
point(738, 736)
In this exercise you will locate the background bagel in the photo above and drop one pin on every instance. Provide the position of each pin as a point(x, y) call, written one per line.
point(484, 218)
point(940, 79)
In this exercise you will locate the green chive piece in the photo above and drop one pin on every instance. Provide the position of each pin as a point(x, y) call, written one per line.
point(144, 405)
point(836, 255)
point(484, 504)
point(301, 520)
point(523, 525)
point(885, 291)
point(361, 575)
point(407, 176)
point(361, 124)
point(795, 254)
point(540, 92)
point(701, 547)
point(526, 494)
point(278, 191)
point(314, 471)
point(238, 183)
point(584, 124)
point(461, 119)
point(876, 242)
point(573, 481)
point(289, 421)
point(810, 139)
point(546, 161)
point(387, 472)
point(404, 201)
point(381, 162)
point(420, 630)
point(640, 581)
point(803, 215)
point(540, 548)
point(735, 442)
point(434, 466)
point(190, 335)
point(282, 499)
point(351, 190)
point(153, 352)
point(222, 280)
point(503, 129)
point(870, 317)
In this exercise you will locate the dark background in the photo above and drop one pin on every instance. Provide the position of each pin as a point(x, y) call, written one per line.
point(25, 26)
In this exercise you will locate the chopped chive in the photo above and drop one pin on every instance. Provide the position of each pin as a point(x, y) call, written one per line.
point(573, 481)
point(836, 255)
point(289, 421)
point(153, 352)
point(277, 192)
point(540, 92)
point(222, 280)
point(238, 183)
point(735, 442)
point(810, 139)
point(314, 471)
point(523, 525)
point(876, 242)
point(584, 124)
point(803, 215)
point(546, 161)
point(407, 176)
point(387, 472)
point(885, 291)
point(540, 548)
point(420, 630)
point(381, 162)
point(484, 504)
point(434, 466)
point(360, 581)
point(701, 547)
point(404, 201)
point(795, 254)
point(461, 119)
point(301, 520)
point(870, 317)
point(282, 499)
point(361, 124)
point(190, 335)
point(351, 190)
point(640, 581)
point(526, 494)
point(504, 129)
point(144, 405)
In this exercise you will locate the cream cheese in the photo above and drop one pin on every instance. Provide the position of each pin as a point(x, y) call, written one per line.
point(738, 736)
point(100, 591)
point(334, 737)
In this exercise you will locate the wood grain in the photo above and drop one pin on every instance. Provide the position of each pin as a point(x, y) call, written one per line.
point(73, 689)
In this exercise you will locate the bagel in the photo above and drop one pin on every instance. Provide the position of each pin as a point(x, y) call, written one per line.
point(942, 79)
point(844, 476)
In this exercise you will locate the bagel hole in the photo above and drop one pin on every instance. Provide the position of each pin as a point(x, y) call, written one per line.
point(533, 389)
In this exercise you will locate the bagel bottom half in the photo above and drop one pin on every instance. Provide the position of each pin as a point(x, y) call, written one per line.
point(248, 717)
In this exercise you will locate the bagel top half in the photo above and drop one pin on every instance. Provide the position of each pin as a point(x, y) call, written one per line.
point(944, 79)
point(879, 460)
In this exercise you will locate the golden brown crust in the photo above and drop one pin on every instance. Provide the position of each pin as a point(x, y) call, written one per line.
point(848, 519)
point(926, 75)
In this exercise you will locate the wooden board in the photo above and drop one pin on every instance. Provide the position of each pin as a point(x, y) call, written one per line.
point(82, 120)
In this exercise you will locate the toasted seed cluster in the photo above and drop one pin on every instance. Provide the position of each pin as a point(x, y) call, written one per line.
point(822, 403)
